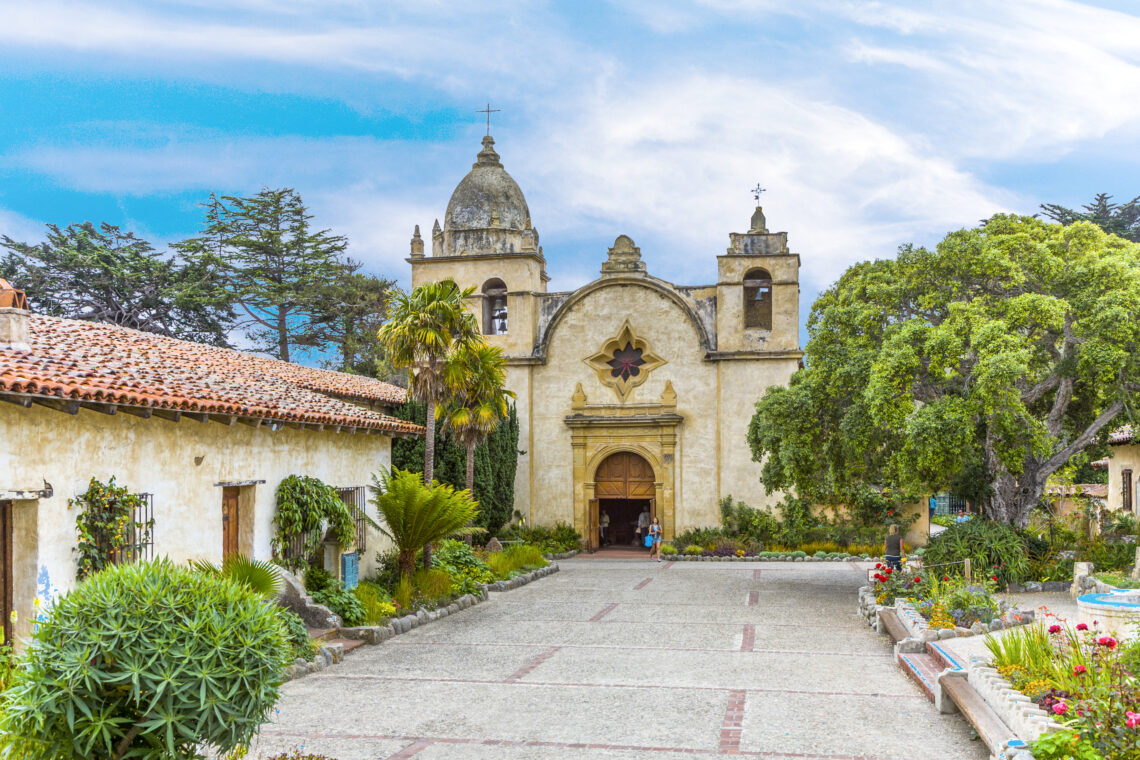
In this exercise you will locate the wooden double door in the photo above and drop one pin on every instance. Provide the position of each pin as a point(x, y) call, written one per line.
point(622, 477)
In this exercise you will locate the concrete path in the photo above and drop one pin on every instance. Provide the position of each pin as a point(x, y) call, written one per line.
point(631, 659)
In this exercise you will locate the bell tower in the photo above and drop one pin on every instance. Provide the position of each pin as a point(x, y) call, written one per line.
point(758, 292)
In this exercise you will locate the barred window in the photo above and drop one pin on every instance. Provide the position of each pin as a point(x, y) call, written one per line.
point(356, 499)
point(1126, 489)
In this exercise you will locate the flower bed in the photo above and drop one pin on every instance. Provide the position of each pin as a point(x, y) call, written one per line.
point(1086, 679)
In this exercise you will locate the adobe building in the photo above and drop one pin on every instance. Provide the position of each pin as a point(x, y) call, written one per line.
point(203, 434)
point(633, 393)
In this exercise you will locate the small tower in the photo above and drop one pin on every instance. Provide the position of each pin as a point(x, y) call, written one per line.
point(417, 244)
point(758, 292)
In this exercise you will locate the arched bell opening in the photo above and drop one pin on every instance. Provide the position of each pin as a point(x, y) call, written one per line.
point(495, 307)
point(758, 299)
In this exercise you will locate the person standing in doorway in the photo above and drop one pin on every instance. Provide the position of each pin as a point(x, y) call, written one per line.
point(892, 549)
point(655, 534)
point(643, 525)
point(603, 528)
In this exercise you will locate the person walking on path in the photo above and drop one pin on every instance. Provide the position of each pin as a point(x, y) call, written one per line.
point(643, 525)
point(655, 534)
point(892, 549)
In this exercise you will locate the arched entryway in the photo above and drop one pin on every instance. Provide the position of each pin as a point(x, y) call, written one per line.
point(624, 487)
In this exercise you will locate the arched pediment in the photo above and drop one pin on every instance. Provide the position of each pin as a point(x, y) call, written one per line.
point(642, 281)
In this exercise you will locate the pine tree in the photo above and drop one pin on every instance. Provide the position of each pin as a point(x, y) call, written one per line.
point(276, 268)
point(1120, 219)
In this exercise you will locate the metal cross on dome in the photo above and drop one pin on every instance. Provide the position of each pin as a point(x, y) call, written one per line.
point(488, 110)
point(755, 191)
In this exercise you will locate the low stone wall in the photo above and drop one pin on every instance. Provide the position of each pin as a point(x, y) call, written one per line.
point(562, 555)
point(330, 654)
point(1016, 710)
point(753, 558)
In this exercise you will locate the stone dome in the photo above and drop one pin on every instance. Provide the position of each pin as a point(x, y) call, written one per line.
point(487, 197)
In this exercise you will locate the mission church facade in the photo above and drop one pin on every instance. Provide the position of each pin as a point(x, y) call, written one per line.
point(633, 393)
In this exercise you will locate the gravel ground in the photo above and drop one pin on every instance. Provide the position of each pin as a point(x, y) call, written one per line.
point(631, 659)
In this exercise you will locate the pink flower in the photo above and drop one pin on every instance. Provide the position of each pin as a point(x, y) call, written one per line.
point(1133, 719)
point(1107, 641)
point(1060, 708)
point(1082, 627)
point(1054, 629)
point(1080, 670)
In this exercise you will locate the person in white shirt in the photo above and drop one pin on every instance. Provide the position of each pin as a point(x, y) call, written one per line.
point(642, 526)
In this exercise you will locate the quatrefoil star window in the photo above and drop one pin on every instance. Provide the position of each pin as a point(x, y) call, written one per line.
point(624, 362)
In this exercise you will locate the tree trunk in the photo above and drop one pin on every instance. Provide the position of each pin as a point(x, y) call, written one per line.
point(429, 441)
point(471, 467)
point(283, 334)
point(407, 562)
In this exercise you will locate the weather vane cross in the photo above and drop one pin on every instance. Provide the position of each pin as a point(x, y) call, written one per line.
point(488, 110)
point(756, 193)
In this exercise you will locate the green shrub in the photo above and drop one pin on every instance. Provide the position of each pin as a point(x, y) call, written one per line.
point(256, 575)
point(668, 550)
point(1108, 557)
point(105, 525)
point(432, 585)
point(343, 602)
point(458, 560)
point(185, 660)
point(318, 579)
point(693, 550)
point(376, 603)
point(525, 556)
point(298, 642)
point(304, 504)
point(702, 537)
point(500, 564)
point(404, 595)
point(552, 540)
point(993, 548)
point(1064, 745)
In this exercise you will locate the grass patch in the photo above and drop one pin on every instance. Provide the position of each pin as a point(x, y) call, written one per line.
point(1117, 580)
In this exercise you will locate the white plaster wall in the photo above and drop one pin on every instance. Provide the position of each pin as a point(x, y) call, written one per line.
point(1123, 458)
point(162, 457)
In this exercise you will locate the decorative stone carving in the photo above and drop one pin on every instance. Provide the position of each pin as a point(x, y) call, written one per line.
point(624, 362)
point(624, 257)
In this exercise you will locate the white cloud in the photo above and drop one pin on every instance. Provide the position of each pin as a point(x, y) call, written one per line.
point(19, 227)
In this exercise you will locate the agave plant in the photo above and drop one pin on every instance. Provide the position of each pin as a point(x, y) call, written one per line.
point(415, 514)
point(260, 577)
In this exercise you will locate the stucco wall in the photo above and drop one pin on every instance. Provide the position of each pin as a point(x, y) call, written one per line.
point(1123, 458)
point(177, 462)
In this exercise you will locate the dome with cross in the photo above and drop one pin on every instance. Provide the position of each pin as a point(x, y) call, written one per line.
point(487, 198)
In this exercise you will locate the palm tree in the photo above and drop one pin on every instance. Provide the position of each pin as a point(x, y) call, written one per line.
point(423, 328)
point(263, 578)
point(474, 375)
point(416, 514)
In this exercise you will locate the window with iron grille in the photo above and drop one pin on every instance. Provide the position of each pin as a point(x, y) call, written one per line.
point(356, 499)
point(140, 534)
point(1126, 489)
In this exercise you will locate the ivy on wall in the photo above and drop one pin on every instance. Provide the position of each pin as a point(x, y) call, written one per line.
point(106, 525)
point(496, 460)
point(303, 505)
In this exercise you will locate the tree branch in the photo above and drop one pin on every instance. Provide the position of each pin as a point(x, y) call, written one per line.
point(1058, 460)
point(1036, 392)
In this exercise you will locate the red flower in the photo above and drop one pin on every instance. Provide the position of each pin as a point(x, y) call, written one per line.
point(994, 578)
point(1082, 627)
point(918, 580)
point(945, 577)
point(1107, 641)
point(878, 565)
point(1080, 670)
point(1060, 708)
point(889, 571)
point(1054, 629)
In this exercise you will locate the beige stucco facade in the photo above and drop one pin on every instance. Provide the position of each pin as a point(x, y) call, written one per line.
point(704, 356)
point(183, 464)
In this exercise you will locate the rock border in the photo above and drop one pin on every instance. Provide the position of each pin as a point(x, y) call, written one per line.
point(563, 555)
point(1016, 710)
point(920, 630)
point(330, 654)
point(756, 558)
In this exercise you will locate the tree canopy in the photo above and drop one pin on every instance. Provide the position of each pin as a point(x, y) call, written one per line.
point(276, 268)
point(982, 366)
point(107, 275)
point(1121, 219)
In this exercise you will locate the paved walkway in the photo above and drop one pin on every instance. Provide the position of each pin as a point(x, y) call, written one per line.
point(635, 660)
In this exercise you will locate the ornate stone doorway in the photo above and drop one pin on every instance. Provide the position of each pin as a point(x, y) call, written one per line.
point(624, 487)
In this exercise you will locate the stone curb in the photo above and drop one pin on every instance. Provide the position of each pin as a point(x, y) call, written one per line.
point(754, 558)
point(562, 555)
point(1016, 710)
point(330, 654)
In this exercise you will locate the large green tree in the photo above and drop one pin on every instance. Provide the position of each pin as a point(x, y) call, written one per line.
point(347, 318)
point(1121, 219)
point(104, 274)
point(424, 327)
point(984, 366)
point(276, 267)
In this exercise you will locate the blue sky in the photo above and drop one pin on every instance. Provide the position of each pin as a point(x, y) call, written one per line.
point(871, 123)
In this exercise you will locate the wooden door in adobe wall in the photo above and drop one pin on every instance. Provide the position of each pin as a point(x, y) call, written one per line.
point(230, 521)
point(6, 601)
point(624, 475)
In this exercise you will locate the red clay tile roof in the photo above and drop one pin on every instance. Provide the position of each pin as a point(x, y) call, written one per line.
point(1089, 490)
point(1123, 435)
point(92, 361)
